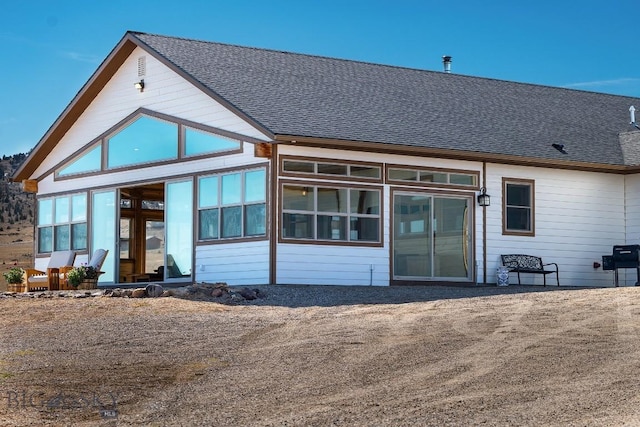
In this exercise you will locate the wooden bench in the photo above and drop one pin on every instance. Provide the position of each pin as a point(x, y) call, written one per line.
point(529, 264)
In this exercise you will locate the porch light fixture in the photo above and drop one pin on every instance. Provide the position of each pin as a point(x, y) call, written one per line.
point(139, 85)
point(483, 198)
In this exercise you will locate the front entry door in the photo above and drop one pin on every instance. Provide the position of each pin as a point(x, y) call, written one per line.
point(431, 236)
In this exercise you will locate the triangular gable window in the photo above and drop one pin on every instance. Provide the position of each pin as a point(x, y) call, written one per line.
point(198, 142)
point(146, 138)
point(89, 162)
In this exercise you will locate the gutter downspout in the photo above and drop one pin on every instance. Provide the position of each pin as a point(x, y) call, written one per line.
point(274, 219)
point(484, 227)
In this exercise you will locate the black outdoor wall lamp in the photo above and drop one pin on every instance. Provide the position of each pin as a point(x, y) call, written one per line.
point(139, 85)
point(483, 198)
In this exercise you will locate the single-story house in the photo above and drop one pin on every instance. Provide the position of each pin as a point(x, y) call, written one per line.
point(257, 166)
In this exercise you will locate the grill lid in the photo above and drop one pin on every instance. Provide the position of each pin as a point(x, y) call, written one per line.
point(626, 256)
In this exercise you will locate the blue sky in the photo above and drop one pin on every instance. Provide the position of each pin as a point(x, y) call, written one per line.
point(51, 48)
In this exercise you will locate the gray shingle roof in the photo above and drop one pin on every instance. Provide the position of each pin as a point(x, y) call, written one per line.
point(311, 96)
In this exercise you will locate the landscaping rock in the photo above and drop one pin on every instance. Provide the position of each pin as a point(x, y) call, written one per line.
point(154, 290)
point(248, 294)
point(179, 292)
point(217, 293)
point(138, 293)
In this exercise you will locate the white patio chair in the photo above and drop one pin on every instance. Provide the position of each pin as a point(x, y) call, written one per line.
point(59, 264)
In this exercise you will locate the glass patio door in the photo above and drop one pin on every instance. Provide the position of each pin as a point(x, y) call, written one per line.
point(431, 237)
point(104, 211)
point(178, 230)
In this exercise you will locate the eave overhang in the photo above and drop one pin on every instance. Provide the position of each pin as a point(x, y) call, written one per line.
point(378, 147)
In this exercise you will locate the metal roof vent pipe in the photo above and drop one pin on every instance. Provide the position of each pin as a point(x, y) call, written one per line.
point(632, 114)
point(446, 61)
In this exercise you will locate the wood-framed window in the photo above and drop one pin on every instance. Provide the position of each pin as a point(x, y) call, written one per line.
point(432, 177)
point(518, 206)
point(62, 223)
point(317, 168)
point(313, 212)
point(146, 138)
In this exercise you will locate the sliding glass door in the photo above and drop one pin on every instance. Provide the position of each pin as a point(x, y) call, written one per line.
point(431, 236)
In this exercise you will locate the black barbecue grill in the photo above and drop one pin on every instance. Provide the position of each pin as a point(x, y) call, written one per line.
point(624, 256)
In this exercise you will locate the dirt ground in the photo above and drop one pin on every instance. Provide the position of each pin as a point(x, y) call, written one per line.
point(563, 358)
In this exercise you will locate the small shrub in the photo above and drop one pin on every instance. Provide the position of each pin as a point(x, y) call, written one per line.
point(14, 275)
point(78, 274)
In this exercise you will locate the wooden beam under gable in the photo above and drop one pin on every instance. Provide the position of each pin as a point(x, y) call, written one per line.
point(29, 186)
point(262, 149)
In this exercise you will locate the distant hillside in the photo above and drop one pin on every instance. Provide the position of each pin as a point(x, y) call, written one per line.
point(16, 207)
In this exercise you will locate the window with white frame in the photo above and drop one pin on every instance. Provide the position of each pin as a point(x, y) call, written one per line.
point(329, 213)
point(232, 205)
point(62, 223)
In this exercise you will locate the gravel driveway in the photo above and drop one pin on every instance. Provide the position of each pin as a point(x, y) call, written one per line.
point(326, 296)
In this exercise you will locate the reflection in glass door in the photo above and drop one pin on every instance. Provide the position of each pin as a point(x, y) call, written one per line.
point(178, 230)
point(431, 237)
point(412, 236)
point(103, 231)
point(154, 246)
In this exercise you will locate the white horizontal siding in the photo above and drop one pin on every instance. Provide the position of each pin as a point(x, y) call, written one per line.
point(234, 263)
point(165, 91)
point(323, 264)
point(632, 194)
point(628, 277)
point(579, 216)
point(348, 265)
point(332, 265)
